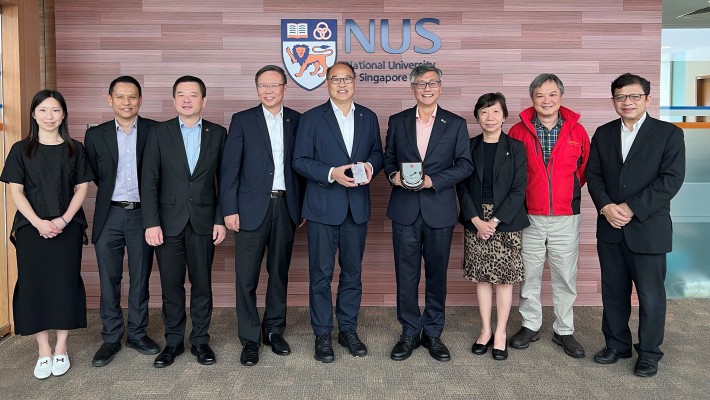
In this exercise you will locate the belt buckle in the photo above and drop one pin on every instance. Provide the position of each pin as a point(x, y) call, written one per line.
point(130, 205)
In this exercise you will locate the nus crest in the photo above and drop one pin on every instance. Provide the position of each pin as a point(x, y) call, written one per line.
point(308, 47)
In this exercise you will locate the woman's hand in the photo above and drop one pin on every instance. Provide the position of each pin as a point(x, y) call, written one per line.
point(49, 229)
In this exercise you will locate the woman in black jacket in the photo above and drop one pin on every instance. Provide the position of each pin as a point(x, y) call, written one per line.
point(493, 214)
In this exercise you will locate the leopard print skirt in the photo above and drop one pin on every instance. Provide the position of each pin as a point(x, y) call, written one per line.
point(497, 260)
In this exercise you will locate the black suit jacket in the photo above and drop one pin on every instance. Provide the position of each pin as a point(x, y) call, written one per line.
point(247, 173)
point(170, 195)
point(447, 161)
point(509, 180)
point(647, 180)
point(102, 153)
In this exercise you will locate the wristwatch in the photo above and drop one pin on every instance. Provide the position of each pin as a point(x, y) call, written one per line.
point(496, 220)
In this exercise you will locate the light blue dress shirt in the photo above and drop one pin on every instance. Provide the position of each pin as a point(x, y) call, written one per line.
point(192, 138)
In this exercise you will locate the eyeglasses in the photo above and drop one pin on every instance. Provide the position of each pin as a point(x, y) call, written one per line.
point(348, 79)
point(272, 86)
point(423, 85)
point(620, 98)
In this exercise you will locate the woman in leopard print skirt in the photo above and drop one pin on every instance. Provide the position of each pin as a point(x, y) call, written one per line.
point(494, 216)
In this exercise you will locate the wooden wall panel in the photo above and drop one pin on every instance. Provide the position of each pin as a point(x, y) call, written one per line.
point(488, 45)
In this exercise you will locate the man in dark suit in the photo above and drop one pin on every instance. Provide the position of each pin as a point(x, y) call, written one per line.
point(332, 139)
point(261, 197)
point(182, 216)
point(115, 152)
point(423, 220)
point(636, 166)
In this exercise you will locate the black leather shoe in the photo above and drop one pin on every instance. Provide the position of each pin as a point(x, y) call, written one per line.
point(437, 348)
point(204, 354)
point(570, 344)
point(350, 340)
point(646, 367)
point(104, 355)
point(250, 354)
point(168, 355)
point(144, 345)
point(404, 347)
point(500, 355)
point(480, 349)
point(324, 349)
point(608, 355)
point(278, 344)
point(522, 339)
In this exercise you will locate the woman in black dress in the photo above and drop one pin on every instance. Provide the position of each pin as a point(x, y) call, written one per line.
point(48, 177)
point(493, 216)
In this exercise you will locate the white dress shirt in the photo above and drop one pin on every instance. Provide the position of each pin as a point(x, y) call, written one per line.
point(275, 125)
point(628, 136)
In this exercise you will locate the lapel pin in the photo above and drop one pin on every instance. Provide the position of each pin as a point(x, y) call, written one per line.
point(507, 153)
point(443, 120)
point(288, 120)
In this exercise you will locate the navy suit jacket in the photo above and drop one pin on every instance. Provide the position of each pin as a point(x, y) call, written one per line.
point(447, 161)
point(102, 152)
point(247, 174)
point(319, 147)
point(647, 180)
point(171, 195)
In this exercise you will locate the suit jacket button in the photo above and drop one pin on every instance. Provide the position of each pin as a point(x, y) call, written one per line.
point(189, 199)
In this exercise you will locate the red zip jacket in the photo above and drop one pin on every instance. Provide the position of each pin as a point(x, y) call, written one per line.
point(557, 188)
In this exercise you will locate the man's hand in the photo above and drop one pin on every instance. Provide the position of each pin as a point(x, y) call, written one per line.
point(396, 179)
point(627, 210)
point(339, 176)
point(616, 215)
point(154, 236)
point(219, 232)
point(232, 222)
point(427, 183)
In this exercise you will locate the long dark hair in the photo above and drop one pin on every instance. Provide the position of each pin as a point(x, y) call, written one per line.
point(33, 136)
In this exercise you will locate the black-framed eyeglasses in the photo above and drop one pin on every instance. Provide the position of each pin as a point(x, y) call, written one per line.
point(347, 79)
point(272, 86)
point(423, 85)
point(620, 98)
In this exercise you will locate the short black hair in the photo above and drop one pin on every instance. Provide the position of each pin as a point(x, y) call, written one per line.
point(345, 63)
point(125, 79)
point(631, 79)
point(274, 68)
point(190, 78)
point(489, 100)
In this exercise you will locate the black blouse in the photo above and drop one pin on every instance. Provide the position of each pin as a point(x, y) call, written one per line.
point(489, 155)
point(48, 177)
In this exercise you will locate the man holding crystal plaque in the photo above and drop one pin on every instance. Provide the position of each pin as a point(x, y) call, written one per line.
point(426, 155)
point(338, 150)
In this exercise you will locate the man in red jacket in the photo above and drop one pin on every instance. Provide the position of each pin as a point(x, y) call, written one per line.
point(557, 148)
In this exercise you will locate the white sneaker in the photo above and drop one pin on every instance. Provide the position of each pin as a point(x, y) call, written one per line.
point(43, 369)
point(60, 364)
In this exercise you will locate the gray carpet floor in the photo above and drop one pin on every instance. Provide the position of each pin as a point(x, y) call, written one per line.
point(541, 371)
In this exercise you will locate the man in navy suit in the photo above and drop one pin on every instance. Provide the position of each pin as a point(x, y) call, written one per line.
point(182, 216)
point(423, 220)
point(636, 166)
point(261, 197)
point(331, 139)
point(115, 152)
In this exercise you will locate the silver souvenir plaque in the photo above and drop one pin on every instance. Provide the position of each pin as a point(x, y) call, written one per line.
point(412, 175)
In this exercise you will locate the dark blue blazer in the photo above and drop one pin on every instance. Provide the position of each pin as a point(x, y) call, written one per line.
point(320, 146)
point(247, 172)
point(447, 161)
point(647, 180)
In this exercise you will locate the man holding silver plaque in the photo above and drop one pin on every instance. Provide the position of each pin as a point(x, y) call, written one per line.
point(426, 154)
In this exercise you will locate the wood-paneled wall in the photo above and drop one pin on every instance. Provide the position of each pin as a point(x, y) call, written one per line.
point(487, 45)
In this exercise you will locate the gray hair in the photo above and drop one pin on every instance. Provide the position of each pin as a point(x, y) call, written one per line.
point(422, 69)
point(542, 78)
